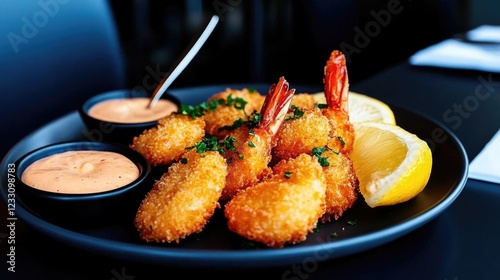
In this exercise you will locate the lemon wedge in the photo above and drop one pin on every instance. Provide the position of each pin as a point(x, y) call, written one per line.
point(392, 164)
point(364, 108)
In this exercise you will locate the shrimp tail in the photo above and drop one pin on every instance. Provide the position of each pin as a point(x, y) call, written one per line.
point(276, 106)
point(336, 82)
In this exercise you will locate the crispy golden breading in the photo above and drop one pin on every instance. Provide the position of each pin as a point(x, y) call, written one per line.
point(342, 185)
point(248, 163)
point(304, 101)
point(341, 131)
point(272, 181)
point(184, 199)
point(302, 134)
point(283, 208)
point(336, 83)
point(166, 143)
point(226, 115)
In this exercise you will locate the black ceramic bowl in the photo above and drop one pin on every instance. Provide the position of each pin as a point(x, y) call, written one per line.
point(110, 131)
point(88, 208)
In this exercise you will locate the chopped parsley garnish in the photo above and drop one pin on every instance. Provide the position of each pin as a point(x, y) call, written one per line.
point(251, 120)
point(236, 124)
point(195, 111)
point(320, 105)
point(212, 104)
point(341, 140)
point(238, 102)
point(184, 160)
point(333, 234)
point(228, 143)
point(208, 143)
point(323, 161)
point(288, 174)
point(352, 223)
point(192, 111)
point(317, 152)
point(297, 113)
point(254, 119)
point(212, 143)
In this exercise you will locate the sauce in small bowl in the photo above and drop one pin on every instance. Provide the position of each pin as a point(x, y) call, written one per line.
point(83, 183)
point(81, 172)
point(131, 110)
point(120, 115)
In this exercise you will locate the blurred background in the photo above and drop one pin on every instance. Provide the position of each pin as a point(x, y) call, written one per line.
point(54, 54)
point(258, 41)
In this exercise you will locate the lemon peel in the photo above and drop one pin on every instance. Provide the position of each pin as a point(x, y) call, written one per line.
point(392, 164)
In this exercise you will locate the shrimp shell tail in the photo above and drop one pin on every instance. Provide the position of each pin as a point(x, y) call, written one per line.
point(336, 81)
point(276, 105)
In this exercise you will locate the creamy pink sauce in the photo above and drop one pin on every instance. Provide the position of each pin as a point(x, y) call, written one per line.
point(131, 110)
point(80, 172)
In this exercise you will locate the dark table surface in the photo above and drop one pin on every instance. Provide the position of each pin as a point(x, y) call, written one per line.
point(463, 242)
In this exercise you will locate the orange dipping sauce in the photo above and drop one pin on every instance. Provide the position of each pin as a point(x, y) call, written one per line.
point(81, 172)
point(131, 110)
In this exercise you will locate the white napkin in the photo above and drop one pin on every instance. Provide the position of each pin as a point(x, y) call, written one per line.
point(485, 33)
point(455, 53)
point(486, 165)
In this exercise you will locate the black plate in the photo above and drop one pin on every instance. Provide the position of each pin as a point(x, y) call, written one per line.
point(359, 229)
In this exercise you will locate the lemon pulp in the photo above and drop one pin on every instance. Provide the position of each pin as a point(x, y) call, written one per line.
point(392, 164)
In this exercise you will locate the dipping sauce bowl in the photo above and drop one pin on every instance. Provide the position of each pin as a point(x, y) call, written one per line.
point(120, 115)
point(83, 183)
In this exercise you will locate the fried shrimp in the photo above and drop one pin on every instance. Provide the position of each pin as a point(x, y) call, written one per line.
point(278, 164)
point(249, 162)
point(342, 185)
point(309, 130)
point(184, 199)
point(283, 208)
point(301, 134)
point(233, 105)
point(336, 83)
point(307, 126)
point(166, 143)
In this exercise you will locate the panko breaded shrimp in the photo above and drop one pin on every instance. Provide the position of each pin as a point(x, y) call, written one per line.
point(184, 199)
point(249, 162)
point(301, 133)
point(342, 185)
point(342, 182)
point(336, 83)
point(232, 105)
point(309, 130)
point(282, 209)
point(166, 143)
point(307, 127)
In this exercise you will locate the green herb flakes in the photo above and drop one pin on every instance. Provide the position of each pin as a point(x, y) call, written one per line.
point(317, 152)
point(352, 223)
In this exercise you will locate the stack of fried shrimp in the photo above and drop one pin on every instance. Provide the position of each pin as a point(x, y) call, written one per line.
point(280, 165)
